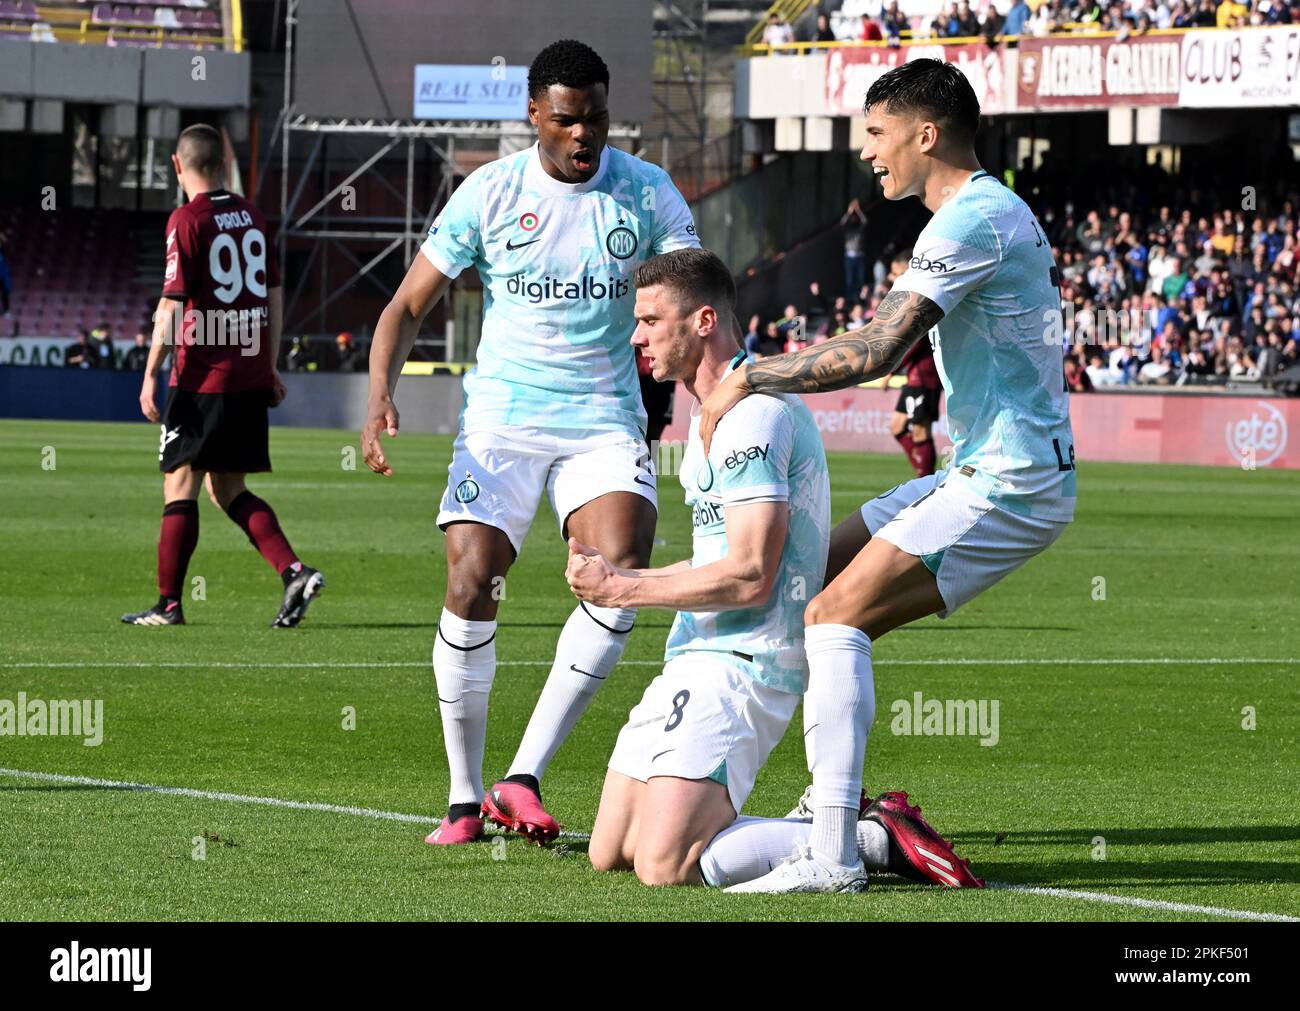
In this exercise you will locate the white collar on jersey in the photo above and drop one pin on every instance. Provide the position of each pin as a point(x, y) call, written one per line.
point(540, 179)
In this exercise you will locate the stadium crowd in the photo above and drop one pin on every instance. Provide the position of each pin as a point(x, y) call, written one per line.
point(1002, 18)
point(1149, 297)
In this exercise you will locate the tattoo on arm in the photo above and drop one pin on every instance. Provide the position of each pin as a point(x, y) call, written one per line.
point(901, 319)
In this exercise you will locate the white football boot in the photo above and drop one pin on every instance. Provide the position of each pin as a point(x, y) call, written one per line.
point(805, 871)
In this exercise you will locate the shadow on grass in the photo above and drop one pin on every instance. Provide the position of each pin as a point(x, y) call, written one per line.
point(1172, 836)
point(67, 788)
point(987, 628)
point(1085, 873)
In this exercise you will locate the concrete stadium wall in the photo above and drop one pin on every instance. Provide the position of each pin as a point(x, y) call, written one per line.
point(1208, 429)
point(107, 75)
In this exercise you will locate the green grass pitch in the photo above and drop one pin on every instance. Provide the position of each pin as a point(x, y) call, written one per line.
point(1121, 719)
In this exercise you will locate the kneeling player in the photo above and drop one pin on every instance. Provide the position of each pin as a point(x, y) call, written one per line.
point(687, 759)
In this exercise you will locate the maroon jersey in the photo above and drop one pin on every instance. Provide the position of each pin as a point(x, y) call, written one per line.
point(221, 266)
point(919, 363)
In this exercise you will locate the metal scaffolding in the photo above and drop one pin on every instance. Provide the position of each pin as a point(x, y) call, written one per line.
point(315, 228)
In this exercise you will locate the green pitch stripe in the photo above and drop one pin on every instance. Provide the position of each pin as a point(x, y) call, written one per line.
point(940, 662)
point(367, 812)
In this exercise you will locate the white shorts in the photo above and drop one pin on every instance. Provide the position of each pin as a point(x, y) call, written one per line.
point(964, 539)
point(497, 477)
point(704, 717)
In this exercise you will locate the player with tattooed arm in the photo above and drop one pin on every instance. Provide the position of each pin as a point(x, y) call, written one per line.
point(979, 288)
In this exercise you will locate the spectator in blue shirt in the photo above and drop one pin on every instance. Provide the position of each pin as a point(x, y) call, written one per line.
point(1016, 19)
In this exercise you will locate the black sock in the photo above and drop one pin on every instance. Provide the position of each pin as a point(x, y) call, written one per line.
point(459, 811)
point(524, 779)
point(291, 572)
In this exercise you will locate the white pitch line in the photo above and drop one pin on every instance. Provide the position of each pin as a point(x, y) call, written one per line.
point(1129, 900)
point(368, 812)
point(240, 798)
point(944, 662)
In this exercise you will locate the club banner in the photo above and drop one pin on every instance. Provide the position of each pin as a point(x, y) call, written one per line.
point(1247, 67)
point(1085, 73)
point(851, 70)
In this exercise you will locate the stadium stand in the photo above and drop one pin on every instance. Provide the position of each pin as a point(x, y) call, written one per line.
point(871, 22)
point(170, 24)
point(85, 268)
point(1151, 296)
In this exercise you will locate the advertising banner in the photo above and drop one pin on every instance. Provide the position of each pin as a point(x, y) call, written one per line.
point(1247, 67)
point(1080, 72)
point(482, 92)
point(1208, 429)
point(851, 70)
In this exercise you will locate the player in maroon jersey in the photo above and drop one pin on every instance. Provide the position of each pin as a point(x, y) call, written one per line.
point(918, 407)
point(221, 292)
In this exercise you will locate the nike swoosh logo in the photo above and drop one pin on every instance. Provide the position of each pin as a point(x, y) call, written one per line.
point(449, 702)
point(638, 480)
point(662, 753)
point(512, 246)
point(579, 670)
point(811, 729)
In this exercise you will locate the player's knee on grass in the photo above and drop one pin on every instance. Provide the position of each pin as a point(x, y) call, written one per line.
point(608, 852)
point(668, 866)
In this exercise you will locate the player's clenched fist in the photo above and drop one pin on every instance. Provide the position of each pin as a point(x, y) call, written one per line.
point(381, 418)
point(590, 576)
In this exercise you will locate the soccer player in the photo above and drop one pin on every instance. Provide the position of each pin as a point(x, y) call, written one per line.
point(917, 409)
point(734, 666)
point(983, 276)
point(553, 405)
point(734, 669)
point(220, 315)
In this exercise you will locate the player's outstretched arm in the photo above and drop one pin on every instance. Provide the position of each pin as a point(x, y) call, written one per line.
point(395, 334)
point(901, 319)
point(744, 578)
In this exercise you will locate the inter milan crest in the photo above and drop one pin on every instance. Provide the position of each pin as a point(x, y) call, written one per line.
point(467, 490)
point(621, 242)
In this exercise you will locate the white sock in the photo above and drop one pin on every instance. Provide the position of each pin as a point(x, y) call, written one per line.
point(838, 710)
point(750, 847)
point(589, 647)
point(464, 664)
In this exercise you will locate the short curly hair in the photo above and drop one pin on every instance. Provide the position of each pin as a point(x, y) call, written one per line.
point(567, 62)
